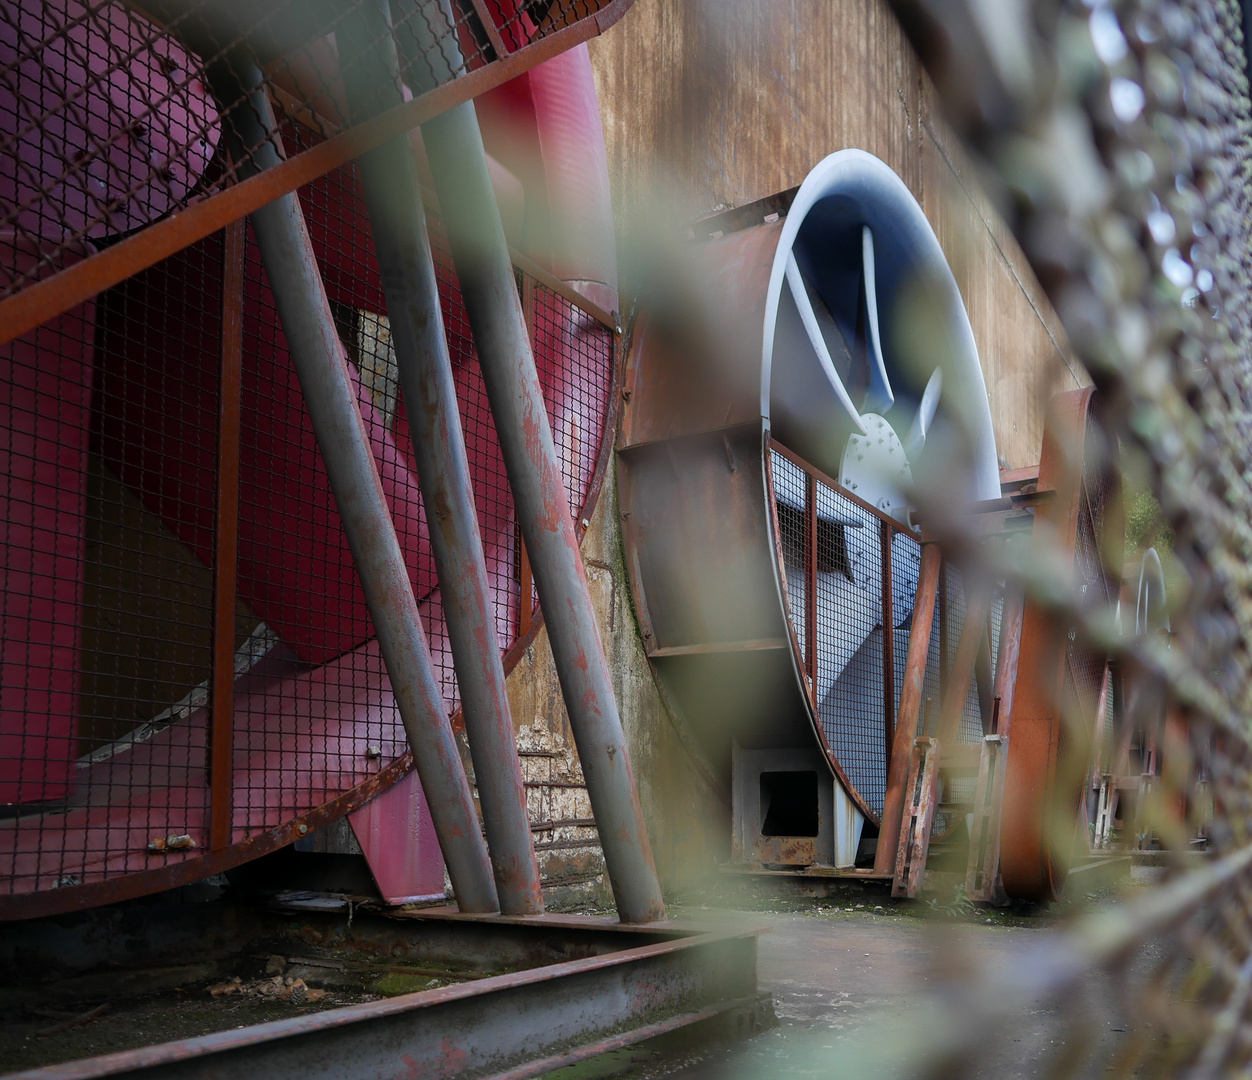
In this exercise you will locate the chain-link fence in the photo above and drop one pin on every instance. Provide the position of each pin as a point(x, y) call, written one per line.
point(1116, 139)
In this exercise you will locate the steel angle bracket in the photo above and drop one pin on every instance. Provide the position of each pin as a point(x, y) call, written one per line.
point(516, 1025)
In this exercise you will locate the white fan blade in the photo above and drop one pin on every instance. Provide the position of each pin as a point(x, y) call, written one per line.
point(916, 438)
point(880, 397)
point(809, 318)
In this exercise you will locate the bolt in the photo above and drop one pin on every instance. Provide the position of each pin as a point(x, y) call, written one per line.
point(373, 751)
point(302, 828)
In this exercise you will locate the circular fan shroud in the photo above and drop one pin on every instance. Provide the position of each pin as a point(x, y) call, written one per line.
point(1058, 681)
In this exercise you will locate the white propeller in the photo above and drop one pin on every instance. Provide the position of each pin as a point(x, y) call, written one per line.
point(916, 437)
point(880, 398)
point(808, 317)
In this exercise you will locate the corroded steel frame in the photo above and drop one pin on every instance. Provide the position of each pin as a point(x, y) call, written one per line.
point(627, 984)
point(1041, 803)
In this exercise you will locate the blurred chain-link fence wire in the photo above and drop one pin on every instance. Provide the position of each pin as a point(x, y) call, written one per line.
point(1115, 139)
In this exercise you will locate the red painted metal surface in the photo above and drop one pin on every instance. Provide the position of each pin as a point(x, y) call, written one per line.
point(226, 548)
point(41, 301)
point(307, 744)
point(397, 838)
point(47, 378)
point(106, 46)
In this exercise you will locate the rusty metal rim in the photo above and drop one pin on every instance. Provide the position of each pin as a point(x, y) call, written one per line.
point(143, 882)
point(181, 1052)
point(33, 306)
point(797, 653)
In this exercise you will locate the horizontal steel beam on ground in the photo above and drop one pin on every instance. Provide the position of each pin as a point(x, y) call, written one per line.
point(507, 1024)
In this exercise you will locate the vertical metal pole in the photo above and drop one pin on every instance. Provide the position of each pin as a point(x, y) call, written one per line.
point(226, 546)
point(526, 580)
point(810, 582)
point(968, 644)
point(910, 703)
point(944, 612)
point(888, 645)
point(318, 357)
point(393, 197)
point(459, 164)
point(1011, 619)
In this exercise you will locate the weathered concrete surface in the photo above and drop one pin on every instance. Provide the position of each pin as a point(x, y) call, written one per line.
point(688, 819)
point(851, 988)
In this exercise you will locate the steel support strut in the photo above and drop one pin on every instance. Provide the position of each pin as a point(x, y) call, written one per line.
point(370, 67)
point(472, 217)
point(321, 366)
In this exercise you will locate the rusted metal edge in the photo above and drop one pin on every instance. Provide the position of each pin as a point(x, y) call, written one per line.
point(226, 544)
point(129, 886)
point(1016, 479)
point(529, 266)
point(743, 217)
point(68, 288)
point(504, 1021)
point(839, 489)
point(490, 29)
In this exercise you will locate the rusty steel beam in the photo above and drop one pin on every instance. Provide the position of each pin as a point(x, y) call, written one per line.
point(920, 803)
point(479, 249)
point(226, 545)
point(68, 288)
point(525, 1022)
point(393, 199)
point(1007, 658)
point(885, 535)
point(321, 366)
point(810, 582)
point(910, 704)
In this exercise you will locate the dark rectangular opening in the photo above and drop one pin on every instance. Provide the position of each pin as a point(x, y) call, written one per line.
point(789, 804)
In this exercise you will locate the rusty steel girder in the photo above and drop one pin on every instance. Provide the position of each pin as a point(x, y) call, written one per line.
point(1058, 682)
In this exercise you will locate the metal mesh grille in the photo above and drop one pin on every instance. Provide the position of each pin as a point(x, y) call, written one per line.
point(845, 663)
point(112, 115)
point(111, 456)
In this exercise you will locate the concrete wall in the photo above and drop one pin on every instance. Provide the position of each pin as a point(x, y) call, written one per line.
point(687, 812)
point(717, 103)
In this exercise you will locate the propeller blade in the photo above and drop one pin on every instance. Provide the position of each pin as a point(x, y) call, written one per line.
point(916, 438)
point(880, 397)
point(809, 318)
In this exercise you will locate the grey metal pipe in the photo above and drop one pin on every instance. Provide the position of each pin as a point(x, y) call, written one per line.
point(370, 69)
point(472, 217)
point(318, 357)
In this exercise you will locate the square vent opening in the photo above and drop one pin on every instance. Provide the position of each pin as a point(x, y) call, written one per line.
point(789, 804)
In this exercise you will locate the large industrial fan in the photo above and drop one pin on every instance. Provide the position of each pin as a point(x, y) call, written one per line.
point(766, 474)
point(850, 687)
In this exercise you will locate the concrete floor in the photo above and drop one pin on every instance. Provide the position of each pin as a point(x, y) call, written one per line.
point(853, 988)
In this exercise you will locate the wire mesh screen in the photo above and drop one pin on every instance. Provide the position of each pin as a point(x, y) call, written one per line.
point(1135, 221)
point(111, 466)
point(112, 114)
point(833, 557)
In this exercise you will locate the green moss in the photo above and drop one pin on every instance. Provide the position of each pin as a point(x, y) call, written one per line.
point(395, 983)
